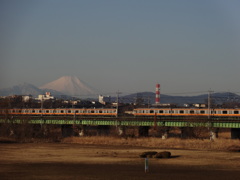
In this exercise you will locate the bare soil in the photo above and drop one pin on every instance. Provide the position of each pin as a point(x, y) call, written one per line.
point(76, 161)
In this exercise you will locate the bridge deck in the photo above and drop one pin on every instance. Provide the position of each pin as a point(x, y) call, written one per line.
point(215, 122)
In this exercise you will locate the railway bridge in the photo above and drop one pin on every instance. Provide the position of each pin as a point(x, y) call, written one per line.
point(104, 124)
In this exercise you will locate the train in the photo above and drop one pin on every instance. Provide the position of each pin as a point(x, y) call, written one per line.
point(186, 112)
point(137, 112)
point(59, 112)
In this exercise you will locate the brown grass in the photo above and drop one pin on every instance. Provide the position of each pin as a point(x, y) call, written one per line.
point(152, 142)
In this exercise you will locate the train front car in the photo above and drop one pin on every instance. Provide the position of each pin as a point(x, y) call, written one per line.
point(181, 112)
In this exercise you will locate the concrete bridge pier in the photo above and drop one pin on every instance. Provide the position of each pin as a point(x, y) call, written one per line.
point(39, 130)
point(214, 133)
point(103, 130)
point(235, 133)
point(183, 132)
point(121, 130)
point(67, 130)
point(143, 131)
point(165, 133)
point(82, 131)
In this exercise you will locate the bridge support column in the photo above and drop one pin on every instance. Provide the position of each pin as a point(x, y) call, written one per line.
point(67, 130)
point(165, 133)
point(235, 133)
point(39, 130)
point(103, 130)
point(143, 131)
point(121, 130)
point(214, 134)
point(183, 132)
point(82, 131)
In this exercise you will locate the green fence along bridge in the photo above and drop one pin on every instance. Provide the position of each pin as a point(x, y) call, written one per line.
point(143, 123)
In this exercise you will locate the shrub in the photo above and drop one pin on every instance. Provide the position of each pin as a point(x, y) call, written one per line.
point(148, 154)
point(163, 154)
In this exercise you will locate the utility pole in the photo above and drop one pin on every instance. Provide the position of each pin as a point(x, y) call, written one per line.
point(117, 101)
point(41, 105)
point(209, 103)
point(148, 102)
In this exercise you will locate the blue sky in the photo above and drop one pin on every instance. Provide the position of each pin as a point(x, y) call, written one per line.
point(127, 45)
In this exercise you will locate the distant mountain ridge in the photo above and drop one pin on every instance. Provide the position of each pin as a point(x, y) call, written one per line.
point(64, 86)
point(21, 89)
point(26, 89)
point(149, 98)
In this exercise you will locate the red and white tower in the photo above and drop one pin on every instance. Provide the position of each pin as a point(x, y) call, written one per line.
point(157, 101)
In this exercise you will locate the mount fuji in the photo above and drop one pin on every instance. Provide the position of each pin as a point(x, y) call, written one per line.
point(70, 85)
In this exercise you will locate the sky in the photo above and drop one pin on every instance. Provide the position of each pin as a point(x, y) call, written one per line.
point(130, 45)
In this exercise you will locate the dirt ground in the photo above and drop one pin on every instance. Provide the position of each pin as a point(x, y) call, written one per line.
point(76, 161)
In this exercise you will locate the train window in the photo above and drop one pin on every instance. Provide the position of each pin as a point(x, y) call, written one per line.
point(181, 111)
point(40, 111)
point(76, 111)
point(33, 111)
point(161, 111)
point(47, 111)
point(100, 111)
point(202, 112)
point(191, 112)
point(19, 111)
point(69, 111)
point(61, 111)
point(151, 111)
point(236, 112)
point(224, 112)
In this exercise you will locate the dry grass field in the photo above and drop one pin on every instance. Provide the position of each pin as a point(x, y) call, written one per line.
point(118, 158)
point(151, 142)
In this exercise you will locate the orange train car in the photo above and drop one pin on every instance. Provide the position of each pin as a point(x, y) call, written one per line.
point(186, 112)
point(53, 112)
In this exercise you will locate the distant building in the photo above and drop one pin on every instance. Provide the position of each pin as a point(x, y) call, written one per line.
point(26, 98)
point(73, 102)
point(46, 96)
point(164, 105)
point(199, 105)
point(104, 99)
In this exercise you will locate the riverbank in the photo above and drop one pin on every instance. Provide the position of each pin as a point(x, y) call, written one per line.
point(78, 161)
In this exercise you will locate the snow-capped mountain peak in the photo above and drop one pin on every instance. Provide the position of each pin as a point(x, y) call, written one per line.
point(70, 85)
